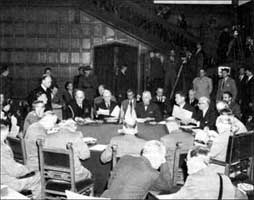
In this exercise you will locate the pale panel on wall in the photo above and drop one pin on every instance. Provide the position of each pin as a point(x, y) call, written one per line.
point(52, 57)
point(42, 43)
point(32, 57)
point(9, 42)
point(7, 28)
point(42, 57)
point(31, 28)
point(75, 30)
point(86, 43)
point(110, 33)
point(64, 57)
point(52, 29)
point(83, 17)
point(63, 15)
point(63, 29)
point(53, 43)
point(64, 43)
point(42, 29)
point(85, 29)
point(20, 15)
point(86, 57)
point(74, 58)
point(98, 30)
point(52, 15)
point(75, 43)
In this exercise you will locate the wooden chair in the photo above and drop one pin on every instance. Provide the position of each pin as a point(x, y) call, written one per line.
point(18, 147)
point(239, 156)
point(178, 176)
point(58, 174)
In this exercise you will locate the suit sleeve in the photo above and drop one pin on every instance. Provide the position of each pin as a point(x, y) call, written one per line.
point(157, 112)
point(81, 149)
point(218, 91)
point(210, 82)
point(212, 120)
point(234, 90)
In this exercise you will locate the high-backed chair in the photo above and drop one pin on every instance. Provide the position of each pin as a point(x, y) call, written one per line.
point(18, 147)
point(58, 174)
point(239, 156)
point(179, 154)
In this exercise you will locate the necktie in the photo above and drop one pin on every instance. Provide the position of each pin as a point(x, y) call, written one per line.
point(131, 106)
point(223, 83)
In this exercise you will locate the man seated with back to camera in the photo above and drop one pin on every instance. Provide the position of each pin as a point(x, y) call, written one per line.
point(14, 174)
point(148, 110)
point(34, 116)
point(202, 182)
point(79, 107)
point(60, 139)
point(107, 104)
point(133, 177)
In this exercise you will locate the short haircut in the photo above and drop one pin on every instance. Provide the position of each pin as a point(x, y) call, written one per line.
point(198, 150)
point(78, 90)
point(46, 69)
point(181, 93)
point(102, 85)
point(228, 93)
point(225, 69)
point(66, 84)
point(226, 111)
point(36, 103)
point(202, 69)
point(38, 94)
point(206, 99)
point(3, 68)
point(130, 91)
point(147, 92)
point(249, 69)
point(44, 76)
point(153, 147)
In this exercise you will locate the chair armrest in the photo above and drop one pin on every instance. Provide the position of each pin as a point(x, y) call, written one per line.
point(218, 162)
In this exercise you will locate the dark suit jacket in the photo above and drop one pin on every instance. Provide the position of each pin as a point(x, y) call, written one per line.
point(124, 105)
point(249, 90)
point(67, 97)
point(208, 120)
point(189, 108)
point(102, 105)
point(160, 104)
point(73, 110)
point(151, 111)
point(32, 97)
point(194, 104)
point(131, 178)
point(76, 81)
point(122, 82)
point(229, 86)
point(235, 109)
point(240, 87)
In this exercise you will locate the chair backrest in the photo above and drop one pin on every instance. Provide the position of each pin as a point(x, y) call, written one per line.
point(57, 164)
point(240, 147)
point(18, 147)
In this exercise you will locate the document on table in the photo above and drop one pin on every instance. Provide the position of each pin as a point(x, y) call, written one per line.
point(98, 147)
point(181, 113)
point(115, 112)
point(103, 112)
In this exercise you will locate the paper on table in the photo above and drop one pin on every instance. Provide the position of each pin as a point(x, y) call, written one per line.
point(164, 196)
point(98, 147)
point(115, 112)
point(103, 111)
point(141, 120)
point(72, 195)
point(181, 113)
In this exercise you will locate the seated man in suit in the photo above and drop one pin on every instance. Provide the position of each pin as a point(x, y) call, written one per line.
point(160, 100)
point(11, 171)
point(99, 99)
point(37, 130)
point(130, 101)
point(79, 107)
point(228, 98)
point(147, 110)
point(106, 105)
point(34, 116)
point(202, 182)
point(207, 115)
point(80, 149)
point(180, 99)
point(192, 99)
point(133, 177)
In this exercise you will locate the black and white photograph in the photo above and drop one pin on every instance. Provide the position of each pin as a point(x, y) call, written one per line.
point(127, 99)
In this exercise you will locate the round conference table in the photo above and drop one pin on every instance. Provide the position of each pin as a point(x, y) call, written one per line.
point(103, 133)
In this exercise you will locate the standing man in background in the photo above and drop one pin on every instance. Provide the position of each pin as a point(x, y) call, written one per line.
point(202, 85)
point(77, 77)
point(88, 82)
point(226, 84)
point(122, 83)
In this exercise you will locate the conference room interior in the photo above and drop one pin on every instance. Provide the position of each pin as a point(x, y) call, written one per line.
point(133, 99)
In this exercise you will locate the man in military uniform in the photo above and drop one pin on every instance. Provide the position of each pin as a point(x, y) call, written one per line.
point(88, 82)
